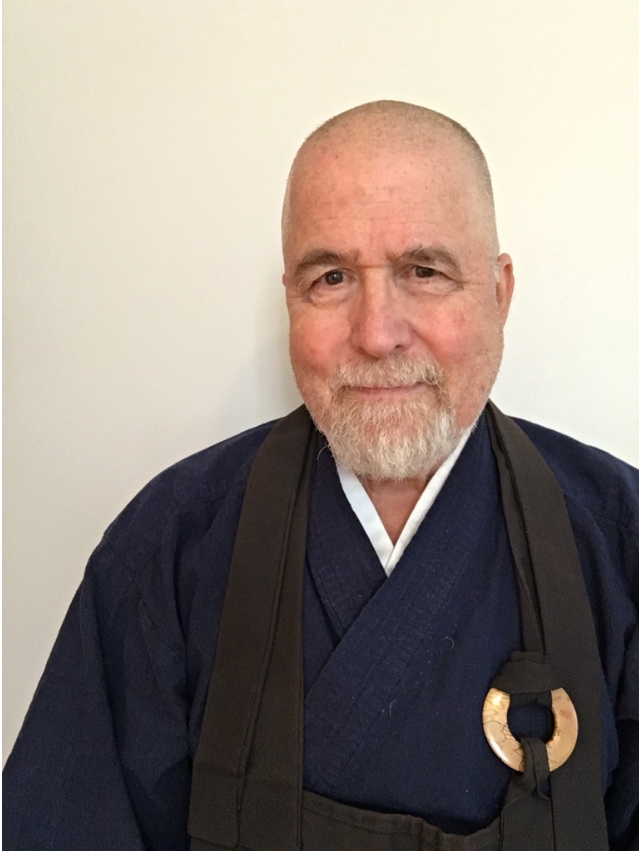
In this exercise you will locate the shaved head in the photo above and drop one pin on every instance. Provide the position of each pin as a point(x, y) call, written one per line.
point(394, 128)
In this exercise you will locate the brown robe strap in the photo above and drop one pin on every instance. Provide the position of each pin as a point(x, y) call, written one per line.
point(551, 584)
point(260, 611)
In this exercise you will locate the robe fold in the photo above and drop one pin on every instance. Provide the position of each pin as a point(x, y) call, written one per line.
point(396, 669)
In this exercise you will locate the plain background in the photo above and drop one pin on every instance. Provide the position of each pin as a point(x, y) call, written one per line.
point(146, 150)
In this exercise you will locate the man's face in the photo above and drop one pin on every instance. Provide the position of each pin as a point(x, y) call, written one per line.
point(396, 302)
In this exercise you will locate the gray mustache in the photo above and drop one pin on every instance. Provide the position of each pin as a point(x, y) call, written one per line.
point(399, 373)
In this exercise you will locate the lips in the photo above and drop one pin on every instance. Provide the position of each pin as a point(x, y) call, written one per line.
point(385, 390)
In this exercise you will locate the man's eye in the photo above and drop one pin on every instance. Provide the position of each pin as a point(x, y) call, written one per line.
point(424, 272)
point(333, 277)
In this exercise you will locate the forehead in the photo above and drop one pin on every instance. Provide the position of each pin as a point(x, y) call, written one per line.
point(345, 194)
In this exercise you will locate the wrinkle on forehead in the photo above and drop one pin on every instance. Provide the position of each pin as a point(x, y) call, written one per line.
point(346, 150)
point(384, 204)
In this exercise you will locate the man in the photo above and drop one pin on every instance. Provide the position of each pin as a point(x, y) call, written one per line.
point(418, 595)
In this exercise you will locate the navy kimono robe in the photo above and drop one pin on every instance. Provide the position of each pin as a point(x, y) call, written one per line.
point(396, 670)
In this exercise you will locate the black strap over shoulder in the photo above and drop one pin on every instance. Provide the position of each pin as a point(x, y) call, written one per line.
point(233, 802)
point(247, 775)
point(557, 626)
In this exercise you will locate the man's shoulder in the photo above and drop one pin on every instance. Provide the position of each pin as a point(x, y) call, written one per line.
point(188, 495)
point(213, 472)
point(604, 485)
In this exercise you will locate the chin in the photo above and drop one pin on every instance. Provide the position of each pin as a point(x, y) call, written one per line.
point(387, 440)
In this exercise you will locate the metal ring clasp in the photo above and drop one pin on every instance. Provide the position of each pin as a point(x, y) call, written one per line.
point(509, 749)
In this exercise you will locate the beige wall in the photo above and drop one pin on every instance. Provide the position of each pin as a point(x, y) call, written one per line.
point(146, 147)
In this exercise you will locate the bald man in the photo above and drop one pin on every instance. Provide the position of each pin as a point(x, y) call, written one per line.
point(309, 635)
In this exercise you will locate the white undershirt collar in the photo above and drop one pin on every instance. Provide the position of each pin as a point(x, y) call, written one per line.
point(367, 514)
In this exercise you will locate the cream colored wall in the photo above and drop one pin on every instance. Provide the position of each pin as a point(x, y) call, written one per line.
point(146, 150)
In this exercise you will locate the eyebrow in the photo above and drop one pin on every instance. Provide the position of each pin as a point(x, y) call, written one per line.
point(324, 257)
point(419, 255)
point(422, 256)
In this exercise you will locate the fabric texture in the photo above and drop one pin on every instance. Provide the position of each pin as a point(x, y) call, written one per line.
point(395, 670)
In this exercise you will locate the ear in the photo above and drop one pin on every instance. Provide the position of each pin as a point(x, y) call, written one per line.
point(505, 285)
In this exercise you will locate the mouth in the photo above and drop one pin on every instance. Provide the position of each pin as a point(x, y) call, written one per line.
point(388, 392)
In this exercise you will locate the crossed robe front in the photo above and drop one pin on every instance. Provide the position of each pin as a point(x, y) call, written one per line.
point(396, 669)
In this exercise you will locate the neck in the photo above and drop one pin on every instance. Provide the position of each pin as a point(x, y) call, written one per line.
point(395, 500)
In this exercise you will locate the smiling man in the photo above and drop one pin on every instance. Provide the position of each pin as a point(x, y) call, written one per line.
point(310, 635)
point(396, 293)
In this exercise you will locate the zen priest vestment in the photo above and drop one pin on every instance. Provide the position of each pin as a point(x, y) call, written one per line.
point(395, 669)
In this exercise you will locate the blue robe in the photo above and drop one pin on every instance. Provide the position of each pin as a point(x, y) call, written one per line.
point(396, 670)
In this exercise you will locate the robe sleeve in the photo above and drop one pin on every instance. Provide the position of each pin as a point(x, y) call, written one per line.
point(102, 761)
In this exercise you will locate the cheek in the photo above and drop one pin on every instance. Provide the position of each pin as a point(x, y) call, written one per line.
point(315, 342)
point(449, 334)
point(461, 337)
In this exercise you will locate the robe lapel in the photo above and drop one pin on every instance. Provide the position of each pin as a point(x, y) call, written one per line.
point(344, 584)
point(384, 623)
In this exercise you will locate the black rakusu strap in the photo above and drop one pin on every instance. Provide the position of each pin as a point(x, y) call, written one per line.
point(560, 641)
point(532, 634)
point(230, 804)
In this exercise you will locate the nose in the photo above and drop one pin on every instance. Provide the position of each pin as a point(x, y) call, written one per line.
point(380, 324)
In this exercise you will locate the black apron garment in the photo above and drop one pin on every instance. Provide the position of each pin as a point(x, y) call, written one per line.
point(247, 778)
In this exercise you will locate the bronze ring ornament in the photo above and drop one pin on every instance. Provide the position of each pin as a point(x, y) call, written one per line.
point(509, 749)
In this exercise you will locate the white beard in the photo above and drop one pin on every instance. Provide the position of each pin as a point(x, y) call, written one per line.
point(379, 439)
